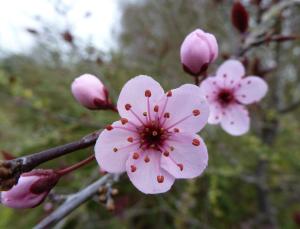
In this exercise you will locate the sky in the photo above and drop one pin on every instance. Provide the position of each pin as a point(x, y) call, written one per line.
point(17, 15)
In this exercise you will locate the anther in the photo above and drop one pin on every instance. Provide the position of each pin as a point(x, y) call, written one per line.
point(180, 166)
point(135, 156)
point(166, 153)
point(169, 93)
point(172, 148)
point(167, 115)
point(196, 142)
point(124, 121)
point(115, 149)
point(130, 139)
point(127, 106)
point(146, 159)
point(160, 179)
point(156, 107)
point(196, 112)
point(152, 146)
point(148, 93)
point(145, 114)
point(176, 130)
point(109, 127)
point(154, 133)
point(133, 168)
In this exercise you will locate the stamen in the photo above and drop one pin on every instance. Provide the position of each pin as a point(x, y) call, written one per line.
point(135, 156)
point(196, 142)
point(130, 139)
point(169, 93)
point(181, 120)
point(167, 115)
point(148, 93)
point(160, 179)
point(133, 168)
point(109, 127)
point(127, 106)
point(115, 149)
point(124, 121)
point(154, 133)
point(196, 112)
point(176, 130)
point(180, 166)
point(146, 159)
point(137, 117)
point(145, 114)
point(166, 153)
point(156, 108)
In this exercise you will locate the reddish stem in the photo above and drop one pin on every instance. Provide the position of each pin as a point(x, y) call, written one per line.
point(75, 166)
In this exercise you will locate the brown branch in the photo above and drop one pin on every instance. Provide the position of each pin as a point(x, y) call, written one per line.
point(267, 40)
point(12, 169)
point(290, 108)
point(75, 201)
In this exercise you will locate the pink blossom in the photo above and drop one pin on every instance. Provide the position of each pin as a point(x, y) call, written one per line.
point(228, 93)
point(90, 92)
point(31, 190)
point(198, 50)
point(155, 141)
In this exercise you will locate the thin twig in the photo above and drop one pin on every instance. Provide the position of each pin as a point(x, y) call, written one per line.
point(73, 202)
point(290, 107)
point(12, 169)
point(267, 40)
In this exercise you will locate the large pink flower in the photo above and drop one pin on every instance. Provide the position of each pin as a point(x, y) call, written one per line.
point(155, 141)
point(228, 92)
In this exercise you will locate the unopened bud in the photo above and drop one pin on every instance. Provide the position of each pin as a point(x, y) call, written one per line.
point(239, 17)
point(198, 50)
point(90, 92)
point(32, 188)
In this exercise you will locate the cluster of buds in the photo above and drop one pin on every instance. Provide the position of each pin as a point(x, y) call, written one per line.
point(106, 194)
point(31, 189)
point(91, 93)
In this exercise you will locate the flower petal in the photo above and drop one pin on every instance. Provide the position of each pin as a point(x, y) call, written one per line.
point(112, 147)
point(209, 88)
point(188, 110)
point(235, 120)
point(133, 93)
point(215, 113)
point(252, 89)
point(231, 71)
point(148, 177)
point(186, 160)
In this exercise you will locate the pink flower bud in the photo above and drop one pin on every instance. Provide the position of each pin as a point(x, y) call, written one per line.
point(198, 50)
point(31, 190)
point(90, 92)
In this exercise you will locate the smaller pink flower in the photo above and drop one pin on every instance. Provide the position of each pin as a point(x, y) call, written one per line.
point(228, 93)
point(198, 50)
point(90, 92)
point(32, 188)
point(155, 141)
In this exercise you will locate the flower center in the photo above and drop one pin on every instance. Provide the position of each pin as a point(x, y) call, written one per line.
point(152, 135)
point(225, 97)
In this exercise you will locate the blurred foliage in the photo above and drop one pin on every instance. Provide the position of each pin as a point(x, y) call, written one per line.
point(37, 112)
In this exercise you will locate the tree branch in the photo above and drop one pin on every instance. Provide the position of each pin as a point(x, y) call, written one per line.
point(290, 108)
point(267, 40)
point(12, 169)
point(73, 202)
